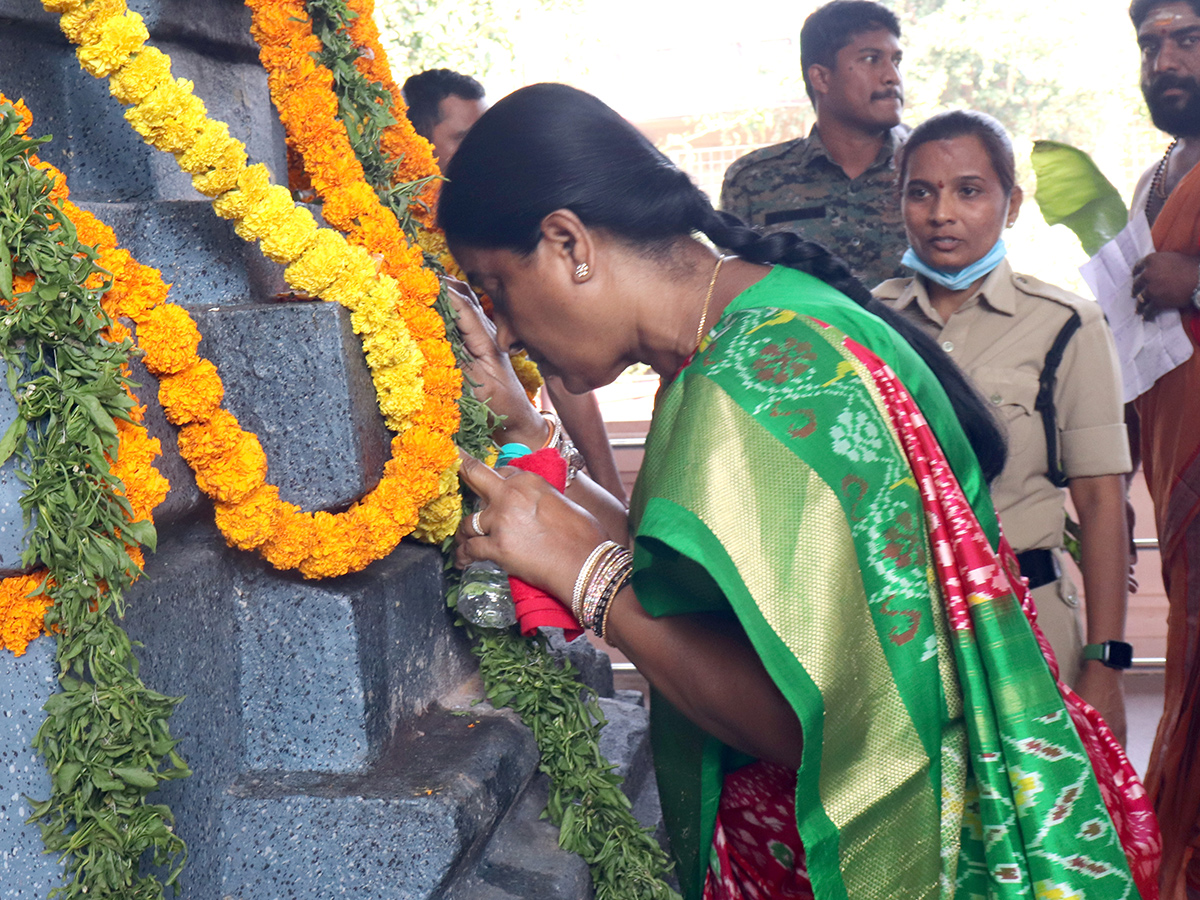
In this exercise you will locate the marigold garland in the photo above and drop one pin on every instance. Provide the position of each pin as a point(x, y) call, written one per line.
point(302, 90)
point(105, 740)
point(411, 153)
point(24, 599)
point(167, 114)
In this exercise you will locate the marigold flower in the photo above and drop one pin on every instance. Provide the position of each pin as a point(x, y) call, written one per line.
point(110, 48)
point(224, 175)
point(320, 265)
point(170, 118)
point(23, 283)
point(439, 519)
point(425, 323)
point(205, 153)
point(21, 614)
point(169, 338)
point(83, 22)
point(142, 484)
point(275, 21)
point(62, 6)
point(294, 233)
point(266, 215)
point(253, 183)
point(527, 373)
point(136, 290)
point(146, 71)
point(337, 549)
point(354, 283)
point(116, 333)
point(191, 395)
point(292, 539)
point(229, 463)
point(250, 522)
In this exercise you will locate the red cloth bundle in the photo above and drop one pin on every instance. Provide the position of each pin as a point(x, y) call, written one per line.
point(535, 608)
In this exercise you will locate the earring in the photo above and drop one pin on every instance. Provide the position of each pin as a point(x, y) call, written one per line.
point(582, 271)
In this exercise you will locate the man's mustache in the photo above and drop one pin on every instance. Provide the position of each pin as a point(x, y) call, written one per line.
point(890, 94)
point(1170, 82)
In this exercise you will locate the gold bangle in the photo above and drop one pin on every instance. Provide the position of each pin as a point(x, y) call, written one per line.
point(556, 429)
point(585, 576)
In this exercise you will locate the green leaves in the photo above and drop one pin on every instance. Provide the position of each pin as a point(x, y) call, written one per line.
point(105, 739)
point(586, 801)
point(1072, 191)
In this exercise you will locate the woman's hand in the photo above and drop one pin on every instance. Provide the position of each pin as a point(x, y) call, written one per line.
point(1164, 281)
point(529, 529)
point(492, 373)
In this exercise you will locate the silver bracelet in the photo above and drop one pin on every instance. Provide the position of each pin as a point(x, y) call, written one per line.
point(1196, 292)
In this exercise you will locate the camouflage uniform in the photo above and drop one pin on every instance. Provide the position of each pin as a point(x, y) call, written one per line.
point(795, 186)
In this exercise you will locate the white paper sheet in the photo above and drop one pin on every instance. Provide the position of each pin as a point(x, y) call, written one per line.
point(1147, 348)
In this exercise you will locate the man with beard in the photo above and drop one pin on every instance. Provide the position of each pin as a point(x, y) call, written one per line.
point(1168, 418)
point(838, 185)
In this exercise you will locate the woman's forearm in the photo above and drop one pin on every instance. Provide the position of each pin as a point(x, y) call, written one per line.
point(1100, 503)
point(705, 665)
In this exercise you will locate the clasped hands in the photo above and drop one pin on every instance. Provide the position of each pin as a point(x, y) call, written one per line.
point(1163, 281)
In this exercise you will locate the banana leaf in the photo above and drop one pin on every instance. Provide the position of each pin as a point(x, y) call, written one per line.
point(1072, 191)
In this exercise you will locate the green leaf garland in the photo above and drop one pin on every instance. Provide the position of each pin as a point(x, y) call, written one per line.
point(106, 740)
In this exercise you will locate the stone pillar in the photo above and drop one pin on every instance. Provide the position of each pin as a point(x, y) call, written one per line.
point(329, 724)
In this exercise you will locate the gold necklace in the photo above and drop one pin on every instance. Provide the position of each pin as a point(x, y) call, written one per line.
point(707, 300)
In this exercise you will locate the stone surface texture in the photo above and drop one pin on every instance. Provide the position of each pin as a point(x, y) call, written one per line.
point(330, 725)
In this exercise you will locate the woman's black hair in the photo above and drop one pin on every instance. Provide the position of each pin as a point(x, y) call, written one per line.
point(550, 146)
point(956, 123)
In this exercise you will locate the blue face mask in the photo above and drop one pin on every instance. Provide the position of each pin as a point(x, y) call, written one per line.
point(963, 278)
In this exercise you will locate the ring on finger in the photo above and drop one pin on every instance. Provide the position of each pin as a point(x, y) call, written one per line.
point(476, 526)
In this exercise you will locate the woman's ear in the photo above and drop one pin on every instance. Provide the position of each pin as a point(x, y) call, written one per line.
point(567, 240)
point(1014, 205)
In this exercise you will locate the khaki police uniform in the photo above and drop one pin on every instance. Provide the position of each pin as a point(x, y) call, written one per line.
point(796, 186)
point(1000, 337)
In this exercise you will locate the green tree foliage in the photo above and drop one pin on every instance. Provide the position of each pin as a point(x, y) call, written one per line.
point(470, 36)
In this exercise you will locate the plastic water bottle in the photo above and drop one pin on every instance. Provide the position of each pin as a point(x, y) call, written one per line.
point(484, 597)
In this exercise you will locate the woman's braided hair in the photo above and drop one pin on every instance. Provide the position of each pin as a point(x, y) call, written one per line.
point(549, 146)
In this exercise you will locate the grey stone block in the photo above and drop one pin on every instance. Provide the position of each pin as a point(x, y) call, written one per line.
point(206, 264)
point(224, 25)
point(26, 872)
point(523, 858)
point(593, 664)
point(12, 520)
point(315, 412)
point(625, 742)
point(103, 158)
point(394, 832)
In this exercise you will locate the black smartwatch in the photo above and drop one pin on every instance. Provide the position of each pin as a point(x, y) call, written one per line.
point(1114, 654)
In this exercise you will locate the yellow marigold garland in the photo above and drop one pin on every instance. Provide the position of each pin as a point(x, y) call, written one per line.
point(413, 156)
point(166, 113)
point(21, 609)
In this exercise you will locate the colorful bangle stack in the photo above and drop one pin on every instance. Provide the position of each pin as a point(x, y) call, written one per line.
point(607, 570)
point(559, 441)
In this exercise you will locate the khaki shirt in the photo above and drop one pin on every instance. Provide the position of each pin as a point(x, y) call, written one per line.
point(1000, 338)
point(796, 186)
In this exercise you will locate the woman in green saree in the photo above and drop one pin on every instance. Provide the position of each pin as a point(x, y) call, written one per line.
point(849, 698)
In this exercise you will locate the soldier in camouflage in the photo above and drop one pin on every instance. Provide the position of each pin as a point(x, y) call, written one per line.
point(838, 185)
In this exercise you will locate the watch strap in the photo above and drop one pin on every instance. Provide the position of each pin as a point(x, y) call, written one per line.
point(1114, 654)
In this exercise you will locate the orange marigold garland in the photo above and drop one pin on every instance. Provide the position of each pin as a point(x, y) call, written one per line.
point(24, 599)
point(166, 113)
